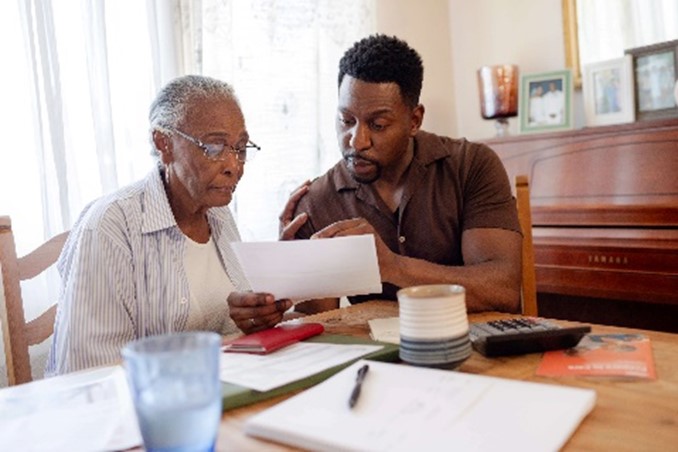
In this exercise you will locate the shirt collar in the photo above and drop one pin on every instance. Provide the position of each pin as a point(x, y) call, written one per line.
point(157, 214)
point(428, 148)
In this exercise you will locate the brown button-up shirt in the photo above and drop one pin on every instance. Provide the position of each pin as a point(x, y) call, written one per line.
point(452, 185)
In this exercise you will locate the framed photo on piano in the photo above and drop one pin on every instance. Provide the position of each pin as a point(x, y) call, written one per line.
point(545, 101)
point(608, 92)
point(655, 70)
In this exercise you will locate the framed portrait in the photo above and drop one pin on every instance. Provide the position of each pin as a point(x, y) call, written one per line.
point(655, 69)
point(609, 92)
point(545, 101)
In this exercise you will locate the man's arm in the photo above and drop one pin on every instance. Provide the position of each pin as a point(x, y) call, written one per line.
point(491, 272)
point(317, 305)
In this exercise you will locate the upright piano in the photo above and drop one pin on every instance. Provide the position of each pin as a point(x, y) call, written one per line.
point(605, 220)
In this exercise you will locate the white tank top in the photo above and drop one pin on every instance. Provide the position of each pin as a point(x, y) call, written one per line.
point(210, 286)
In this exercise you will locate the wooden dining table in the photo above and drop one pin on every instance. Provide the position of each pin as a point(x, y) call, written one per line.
point(629, 414)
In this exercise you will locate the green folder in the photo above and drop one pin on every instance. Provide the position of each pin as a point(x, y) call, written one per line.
point(235, 396)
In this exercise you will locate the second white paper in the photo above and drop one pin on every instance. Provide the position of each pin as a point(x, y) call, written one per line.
point(306, 269)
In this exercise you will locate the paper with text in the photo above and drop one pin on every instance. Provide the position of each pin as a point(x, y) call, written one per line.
point(602, 355)
point(84, 411)
point(405, 408)
point(307, 269)
point(292, 363)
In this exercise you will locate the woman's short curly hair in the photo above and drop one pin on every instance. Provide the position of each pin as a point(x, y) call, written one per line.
point(171, 104)
point(383, 59)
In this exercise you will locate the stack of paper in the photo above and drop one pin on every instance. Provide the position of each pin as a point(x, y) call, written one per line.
point(410, 408)
point(255, 379)
point(84, 411)
point(292, 363)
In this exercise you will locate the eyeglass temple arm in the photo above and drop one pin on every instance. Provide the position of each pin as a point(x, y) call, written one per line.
point(252, 144)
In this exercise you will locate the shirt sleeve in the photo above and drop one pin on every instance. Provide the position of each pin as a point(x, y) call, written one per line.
point(489, 202)
point(95, 312)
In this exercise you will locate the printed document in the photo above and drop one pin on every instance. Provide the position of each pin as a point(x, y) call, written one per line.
point(306, 269)
point(83, 411)
point(292, 363)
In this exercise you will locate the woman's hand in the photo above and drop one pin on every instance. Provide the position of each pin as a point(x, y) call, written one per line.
point(253, 312)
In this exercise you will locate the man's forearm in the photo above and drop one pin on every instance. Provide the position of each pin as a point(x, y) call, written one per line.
point(490, 285)
point(317, 305)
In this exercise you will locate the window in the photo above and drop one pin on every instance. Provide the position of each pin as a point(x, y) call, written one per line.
point(282, 58)
point(607, 28)
point(80, 76)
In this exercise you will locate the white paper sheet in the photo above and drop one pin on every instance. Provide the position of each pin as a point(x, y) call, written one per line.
point(406, 408)
point(292, 363)
point(84, 411)
point(306, 269)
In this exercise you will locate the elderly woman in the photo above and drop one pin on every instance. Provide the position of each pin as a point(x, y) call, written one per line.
point(154, 257)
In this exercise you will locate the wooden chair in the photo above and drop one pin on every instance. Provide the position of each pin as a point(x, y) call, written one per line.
point(529, 279)
point(18, 334)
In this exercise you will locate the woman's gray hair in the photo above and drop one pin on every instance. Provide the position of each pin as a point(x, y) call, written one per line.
point(168, 110)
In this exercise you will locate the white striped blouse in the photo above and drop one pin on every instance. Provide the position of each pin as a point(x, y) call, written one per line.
point(123, 277)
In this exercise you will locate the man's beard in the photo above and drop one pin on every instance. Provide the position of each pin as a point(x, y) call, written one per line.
point(349, 160)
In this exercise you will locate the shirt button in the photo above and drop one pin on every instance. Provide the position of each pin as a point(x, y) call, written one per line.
point(184, 301)
point(401, 239)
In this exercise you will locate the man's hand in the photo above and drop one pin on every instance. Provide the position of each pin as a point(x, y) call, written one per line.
point(358, 226)
point(256, 311)
point(288, 225)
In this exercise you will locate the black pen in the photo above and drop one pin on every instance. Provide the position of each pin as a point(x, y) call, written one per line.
point(358, 383)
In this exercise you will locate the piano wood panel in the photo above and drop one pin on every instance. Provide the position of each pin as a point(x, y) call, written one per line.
point(604, 209)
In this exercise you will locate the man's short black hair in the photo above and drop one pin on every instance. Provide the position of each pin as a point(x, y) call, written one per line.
point(383, 59)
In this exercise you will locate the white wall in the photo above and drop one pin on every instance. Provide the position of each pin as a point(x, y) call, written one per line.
point(425, 26)
point(456, 37)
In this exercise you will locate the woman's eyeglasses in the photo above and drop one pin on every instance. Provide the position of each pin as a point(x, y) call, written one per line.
point(220, 151)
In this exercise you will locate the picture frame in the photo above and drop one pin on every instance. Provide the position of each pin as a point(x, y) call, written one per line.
point(655, 69)
point(545, 101)
point(608, 90)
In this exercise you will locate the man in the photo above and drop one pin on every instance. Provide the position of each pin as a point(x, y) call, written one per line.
point(537, 114)
point(440, 209)
point(554, 103)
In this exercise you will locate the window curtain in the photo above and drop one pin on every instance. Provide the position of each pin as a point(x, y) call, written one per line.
point(282, 59)
point(607, 28)
point(78, 77)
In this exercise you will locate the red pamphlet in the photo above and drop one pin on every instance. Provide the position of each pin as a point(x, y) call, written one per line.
point(602, 355)
point(272, 339)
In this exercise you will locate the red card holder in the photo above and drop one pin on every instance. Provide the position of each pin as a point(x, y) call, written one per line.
point(267, 341)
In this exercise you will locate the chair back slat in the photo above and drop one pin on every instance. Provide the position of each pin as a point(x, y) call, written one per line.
point(41, 258)
point(529, 278)
point(18, 334)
